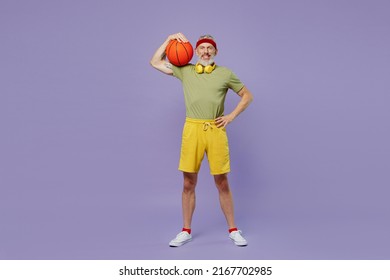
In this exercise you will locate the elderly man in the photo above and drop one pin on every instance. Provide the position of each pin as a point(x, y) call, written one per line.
point(205, 86)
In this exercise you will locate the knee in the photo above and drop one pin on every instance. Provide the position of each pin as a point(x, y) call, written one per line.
point(222, 184)
point(189, 184)
point(223, 188)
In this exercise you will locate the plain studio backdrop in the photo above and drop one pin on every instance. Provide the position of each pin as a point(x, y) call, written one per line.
point(90, 132)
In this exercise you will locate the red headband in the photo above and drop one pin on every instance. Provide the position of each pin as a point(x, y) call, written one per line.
point(206, 40)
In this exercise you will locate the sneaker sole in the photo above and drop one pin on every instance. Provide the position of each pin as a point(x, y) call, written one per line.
point(179, 244)
point(239, 244)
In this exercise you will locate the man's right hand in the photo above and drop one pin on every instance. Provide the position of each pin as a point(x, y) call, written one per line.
point(178, 36)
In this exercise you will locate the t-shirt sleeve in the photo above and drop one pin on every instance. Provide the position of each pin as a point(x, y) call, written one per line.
point(234, 83)
point(177, 72)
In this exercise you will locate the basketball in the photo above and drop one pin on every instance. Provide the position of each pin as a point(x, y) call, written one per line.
point(179, 53)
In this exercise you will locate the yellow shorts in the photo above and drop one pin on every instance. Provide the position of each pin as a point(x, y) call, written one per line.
point(200, 137)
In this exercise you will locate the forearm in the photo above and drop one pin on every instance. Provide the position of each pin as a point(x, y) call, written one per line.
point(159, 55)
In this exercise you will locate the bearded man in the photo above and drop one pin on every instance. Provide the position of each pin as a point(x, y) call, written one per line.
point(205, 86)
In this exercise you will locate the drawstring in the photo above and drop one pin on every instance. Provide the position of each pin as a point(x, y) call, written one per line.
point(206, 123)
point(206, 126)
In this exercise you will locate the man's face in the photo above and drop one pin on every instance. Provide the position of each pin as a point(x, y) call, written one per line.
point(206, 52)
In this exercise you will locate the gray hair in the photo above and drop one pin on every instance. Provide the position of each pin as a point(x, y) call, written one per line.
point(206, 36)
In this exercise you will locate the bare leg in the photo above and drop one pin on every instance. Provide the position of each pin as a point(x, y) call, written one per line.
point(225, 198)
point(188, 197)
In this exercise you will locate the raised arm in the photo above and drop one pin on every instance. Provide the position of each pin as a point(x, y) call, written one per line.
point(158, 60)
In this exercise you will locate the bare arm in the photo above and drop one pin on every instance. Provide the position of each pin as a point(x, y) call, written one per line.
point(246, 99)
point(158, 60)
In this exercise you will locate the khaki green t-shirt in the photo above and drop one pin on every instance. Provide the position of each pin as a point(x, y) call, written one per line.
point(204, 94)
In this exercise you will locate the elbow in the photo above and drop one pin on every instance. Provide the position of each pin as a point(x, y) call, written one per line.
point(250, 99)
point(157, 64)
point(152, 63)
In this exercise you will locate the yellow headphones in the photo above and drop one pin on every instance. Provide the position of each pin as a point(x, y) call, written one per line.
point(199, 68)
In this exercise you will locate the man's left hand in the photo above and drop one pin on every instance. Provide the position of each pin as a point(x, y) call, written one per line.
point(223, 121)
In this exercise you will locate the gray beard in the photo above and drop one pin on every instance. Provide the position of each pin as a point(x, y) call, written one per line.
point(205, 63)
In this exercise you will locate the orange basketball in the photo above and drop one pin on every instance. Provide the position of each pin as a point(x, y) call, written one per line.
point(179, 53)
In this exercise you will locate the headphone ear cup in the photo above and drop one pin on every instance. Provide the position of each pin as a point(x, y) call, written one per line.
point(199, 68)
point(209, 68)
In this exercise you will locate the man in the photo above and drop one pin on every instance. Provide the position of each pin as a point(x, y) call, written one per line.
point(205, 86)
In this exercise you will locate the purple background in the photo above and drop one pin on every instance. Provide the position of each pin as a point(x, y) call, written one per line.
point(90, 133)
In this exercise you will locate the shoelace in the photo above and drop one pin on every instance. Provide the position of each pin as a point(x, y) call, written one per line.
point(237, 235)
point(183, 233)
